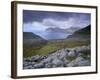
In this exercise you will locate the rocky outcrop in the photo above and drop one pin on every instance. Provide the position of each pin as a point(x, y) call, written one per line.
point(67, 57)
point(79, 61)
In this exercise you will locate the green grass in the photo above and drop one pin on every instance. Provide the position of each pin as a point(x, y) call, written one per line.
point(49, 48)
point(52, 46)
point(31, 50)
point(74, 43)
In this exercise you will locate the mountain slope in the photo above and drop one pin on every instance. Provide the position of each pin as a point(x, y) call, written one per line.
point(83, 33)
point(30, 35)
point(31, 39)
point(57, 29)
point(85, 30)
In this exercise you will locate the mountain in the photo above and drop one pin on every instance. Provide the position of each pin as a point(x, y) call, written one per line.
point(30, 38)
point(72, 29)
point(86, 30)
point(69, 30)
point(30, 35)
point(56, 29)
point(83, 33)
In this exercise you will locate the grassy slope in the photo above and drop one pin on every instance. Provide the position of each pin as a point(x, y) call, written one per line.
point(32, 43)
point(53, 46)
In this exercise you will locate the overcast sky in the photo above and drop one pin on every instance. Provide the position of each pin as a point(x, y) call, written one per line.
point(41, 20)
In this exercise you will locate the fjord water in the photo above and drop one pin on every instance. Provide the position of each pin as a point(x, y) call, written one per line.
point(52, 35)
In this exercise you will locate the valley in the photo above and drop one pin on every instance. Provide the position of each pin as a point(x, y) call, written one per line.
point(34, 45)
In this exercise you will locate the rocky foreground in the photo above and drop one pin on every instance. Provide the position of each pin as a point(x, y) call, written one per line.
point(67, 57)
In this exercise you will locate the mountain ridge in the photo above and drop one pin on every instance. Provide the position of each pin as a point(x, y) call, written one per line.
point(30, 35)
point(69, 30)
point(83, 33)
point(30, 38)
point(85, 30)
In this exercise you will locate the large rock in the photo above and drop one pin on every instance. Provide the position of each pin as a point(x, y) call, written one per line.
point(27, 59)
point(48, 65)
point(39, 65)
point(47, 60)
point(59, 54)
point(27, 64)
point(28, 67)
point(79, 61)
point(82, 48)
point(63, 54)
point(72, 53)
point(57, 63)
point(36, 58)
point(67, 57)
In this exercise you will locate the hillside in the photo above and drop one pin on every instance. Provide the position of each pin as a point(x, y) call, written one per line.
point(30, 35)
point(32, 43)
point(68, 30)
point(31, 39)
point(85, 30)
point(83, 33)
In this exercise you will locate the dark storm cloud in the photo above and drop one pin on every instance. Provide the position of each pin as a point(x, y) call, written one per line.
point(31, 16)
point(41, 20)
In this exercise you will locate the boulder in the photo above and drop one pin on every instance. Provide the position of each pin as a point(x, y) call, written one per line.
point(82, 48)
point(28, 67)
point(36, 58)
point(27, 59)
point(27, 64)
point(47, 60)
point(63, 54)
point(48, 65)
point(66, 57)
point(79, 61)
point(39, 65)
point(57, 62)
point(72, 53)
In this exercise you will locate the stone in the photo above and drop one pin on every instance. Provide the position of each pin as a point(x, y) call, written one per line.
point(84, 63)
point(47, 60)
point(56, 62)
point(26, 63)
point(27, 59)
point(33, 63)
point(82, 48)
point(80, 54)
point(39, 65)
point(79, 61)
point(28, 67)
point(65, 62)
point(63, 55)
point(66, 57)
point(72, 53)
point(48, 65)
point(36, 58)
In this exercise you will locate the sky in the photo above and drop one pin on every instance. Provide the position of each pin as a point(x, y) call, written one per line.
point(41, 20)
